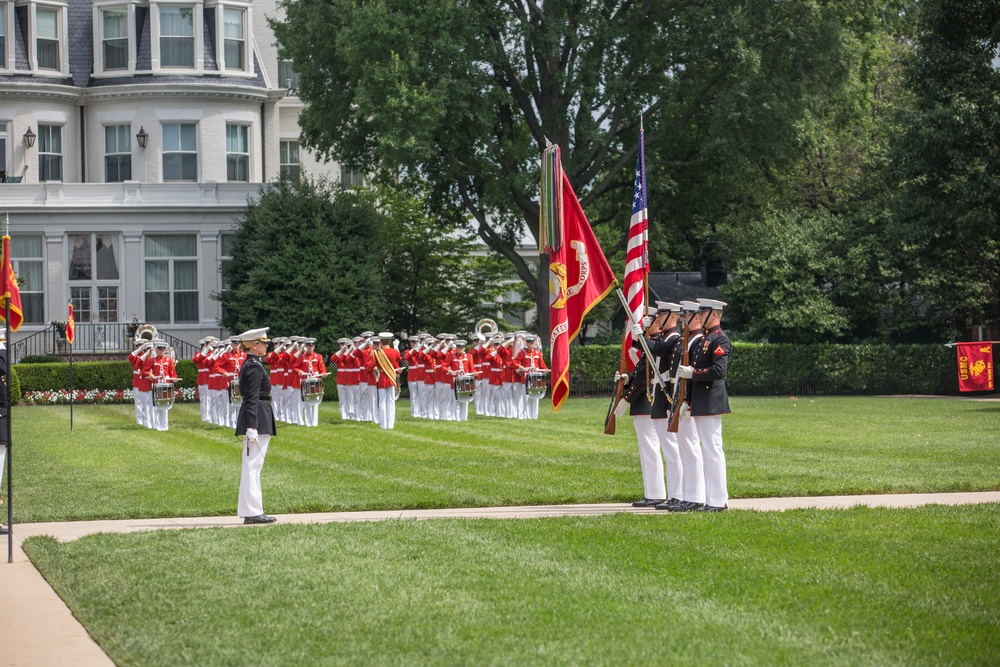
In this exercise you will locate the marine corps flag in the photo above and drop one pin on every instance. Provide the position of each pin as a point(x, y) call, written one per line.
point(975, 366)
point(70, 326)
point(579, 275)
point(9, 293)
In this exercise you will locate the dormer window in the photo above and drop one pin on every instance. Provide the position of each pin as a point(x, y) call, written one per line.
point(48, 34)
point(3, 36)
point(114, 23)
point(235, 38)
point(177, 37)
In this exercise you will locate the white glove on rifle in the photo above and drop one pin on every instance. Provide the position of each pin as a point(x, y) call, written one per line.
point(685, 410)
point(686, 372)
point(252, 434)
point(636, 331)
point(621, 408)
point(621, 376)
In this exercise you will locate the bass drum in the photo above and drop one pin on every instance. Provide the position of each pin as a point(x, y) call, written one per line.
point(536, 384)
point(465, 388)
point(235, 397)
point(163, 395)
point(312, 390)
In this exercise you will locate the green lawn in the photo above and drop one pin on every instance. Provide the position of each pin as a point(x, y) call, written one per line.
point(807, 587)
point(108, 467)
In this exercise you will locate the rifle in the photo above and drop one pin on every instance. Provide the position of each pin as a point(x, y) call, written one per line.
point(680, 390)
point(609, 421)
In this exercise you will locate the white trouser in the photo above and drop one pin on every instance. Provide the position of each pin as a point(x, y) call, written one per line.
point(147, 408)
point(310, 413)
point(232, 412)
point(462, 410)
point(671, 457)
point(371, 402)
point(710, 432)
point(430, 401)
point(414, 388)
point(351, 391)
point(386, 407)
point(496, 400)
point(295, 406)
point(649, 458)
point(217, 406)
point(203, 401)
point(693, 474)
point(520, 401)
point(160, 418)
point(251, 502)
point(477, 398)
point(137, 402)
point(441, 398)
point(533, 408)
point(342, 400)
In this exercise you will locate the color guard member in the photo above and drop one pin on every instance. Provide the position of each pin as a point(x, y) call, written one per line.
point(255, 423)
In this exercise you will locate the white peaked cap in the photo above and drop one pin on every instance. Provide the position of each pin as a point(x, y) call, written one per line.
point(385, 335)
point(690, 306)
point(651, 311)
point(714, 304)
point(254, 335)
point(669, 307)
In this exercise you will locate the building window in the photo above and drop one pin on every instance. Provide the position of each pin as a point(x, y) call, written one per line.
point(117, 153)
point(237, 153)
point(225, 256)
point(234, 37)
point(3, 36)
point(50, 153)
point(350, 178)
point(93, 262)
point(291, 165)
point(47, 38)
point(171, 278)
point(114, 23)
point(287, 77)
point(180, 152)
point(4, 145)
point(29, 267)
point(177, 37)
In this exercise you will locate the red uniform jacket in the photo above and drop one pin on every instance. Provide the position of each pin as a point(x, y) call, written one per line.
point(384, 381)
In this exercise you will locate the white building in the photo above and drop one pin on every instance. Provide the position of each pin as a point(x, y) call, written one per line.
point(132, 133)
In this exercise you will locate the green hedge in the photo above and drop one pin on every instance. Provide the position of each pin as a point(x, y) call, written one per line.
point(765, 369)
point(754, 370)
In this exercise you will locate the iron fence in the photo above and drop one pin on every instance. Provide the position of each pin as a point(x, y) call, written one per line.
point(91, 338)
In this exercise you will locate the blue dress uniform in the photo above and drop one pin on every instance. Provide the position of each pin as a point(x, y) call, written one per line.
point(255, 423)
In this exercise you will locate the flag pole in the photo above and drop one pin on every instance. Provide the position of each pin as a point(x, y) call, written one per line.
point(10, 495)
point(71, 383)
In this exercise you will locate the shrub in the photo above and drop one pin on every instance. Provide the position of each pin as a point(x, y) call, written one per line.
point(40, 359)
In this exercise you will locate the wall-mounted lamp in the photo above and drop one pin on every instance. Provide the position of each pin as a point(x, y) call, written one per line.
point(142, 137)
point(29, 138)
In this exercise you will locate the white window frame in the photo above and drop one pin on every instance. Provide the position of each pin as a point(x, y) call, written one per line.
point(16, 266)
point(247, 155)
point(99, 66)
point(8, 147)
point(196, 151)
point(172, 291)
point(198, 12)
point(282, 165)
point(62, 28)
point(220, 39)
point(105, 154)
point(9, 26)
point(43, 127)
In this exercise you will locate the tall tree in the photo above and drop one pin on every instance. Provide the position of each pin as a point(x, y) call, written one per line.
point(305, 260)
point(463, 94)
point(947, 164)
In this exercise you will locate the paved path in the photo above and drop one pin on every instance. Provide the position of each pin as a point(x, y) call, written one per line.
point(38, 630)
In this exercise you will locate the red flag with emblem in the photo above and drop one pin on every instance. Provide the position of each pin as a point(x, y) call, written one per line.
point(70, 326)
point(9, 291)
point(579, 277)
point(975, 366)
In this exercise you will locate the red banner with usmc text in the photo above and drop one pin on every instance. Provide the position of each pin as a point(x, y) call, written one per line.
point(975, 366)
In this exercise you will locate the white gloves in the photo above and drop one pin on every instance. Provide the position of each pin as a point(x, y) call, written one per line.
point(685, 410)
point(686, 372)
point(621, 376)
point(252, 434)
point(621, 408)
point(481, 337)
point(636, 331)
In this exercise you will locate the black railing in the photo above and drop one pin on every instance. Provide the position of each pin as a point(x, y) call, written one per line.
point(92, 338)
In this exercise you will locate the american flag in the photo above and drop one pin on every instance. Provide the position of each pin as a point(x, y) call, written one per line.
point(637, 256)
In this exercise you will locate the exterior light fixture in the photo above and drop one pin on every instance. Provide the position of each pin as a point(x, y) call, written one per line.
point(29, 138)
point(142, 137)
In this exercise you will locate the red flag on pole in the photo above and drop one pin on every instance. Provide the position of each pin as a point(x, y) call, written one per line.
point(975, 366)
point(9, 290)
point(578, 260)
point(70, 326)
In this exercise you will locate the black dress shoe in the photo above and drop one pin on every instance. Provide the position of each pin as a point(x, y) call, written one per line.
point(667, 505)
point(712, 508)
point(4, 530)
point(646, 502)
point(260, 518)
point(686, 506)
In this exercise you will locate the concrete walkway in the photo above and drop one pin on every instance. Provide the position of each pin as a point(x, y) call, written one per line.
point(38, 630)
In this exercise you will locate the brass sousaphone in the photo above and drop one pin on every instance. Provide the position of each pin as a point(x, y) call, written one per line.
point(487, 328)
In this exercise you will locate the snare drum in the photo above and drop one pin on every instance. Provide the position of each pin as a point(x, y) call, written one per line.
point(163, 395)
point(536, 384)
point(234, 393)
point(465, 387)
point(312, 390)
